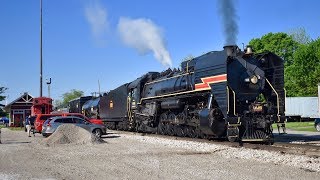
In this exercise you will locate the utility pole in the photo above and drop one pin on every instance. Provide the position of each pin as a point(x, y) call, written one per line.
point(40, 48)
point(99, 86)
point(48, 83)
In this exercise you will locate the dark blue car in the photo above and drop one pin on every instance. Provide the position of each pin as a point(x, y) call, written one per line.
point(317, 124)
point(4, 120)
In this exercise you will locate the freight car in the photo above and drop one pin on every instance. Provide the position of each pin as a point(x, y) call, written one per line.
point(91, 108)
point(228, 93)
point(75, 105)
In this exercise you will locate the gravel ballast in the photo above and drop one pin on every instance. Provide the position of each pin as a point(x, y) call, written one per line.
point(128, 156)
point(70, 134)
point(304, 162)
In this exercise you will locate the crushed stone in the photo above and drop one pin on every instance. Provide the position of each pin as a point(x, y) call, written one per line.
point(71, 134)
point(300, 161)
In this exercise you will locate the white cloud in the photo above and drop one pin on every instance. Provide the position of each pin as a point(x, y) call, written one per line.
point(97, 17)
point(145, 36)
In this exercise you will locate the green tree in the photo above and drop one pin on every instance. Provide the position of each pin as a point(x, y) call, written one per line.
point(66, 97)
point(280, 43)
point(2, 90)
point(302, 77)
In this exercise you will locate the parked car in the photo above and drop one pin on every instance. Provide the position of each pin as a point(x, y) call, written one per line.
point(4, 121)
point(41, 118)
point(317, 124)
point(51, 124)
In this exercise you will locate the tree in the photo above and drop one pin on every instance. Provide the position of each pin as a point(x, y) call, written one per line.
point(2, 90)
point(300, 35)
point(279, 43)
point(58, 103)
point(66, 97)
point(302, 77)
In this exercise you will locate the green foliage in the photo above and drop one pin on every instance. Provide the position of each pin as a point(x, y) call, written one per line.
point(279, 43)
point(302, 59)
point(71, 95)
point(303, 75)
point(2, 90)
point(58, 103)
point(2, 113)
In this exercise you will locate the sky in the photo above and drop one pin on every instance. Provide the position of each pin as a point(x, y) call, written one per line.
point(116, 41)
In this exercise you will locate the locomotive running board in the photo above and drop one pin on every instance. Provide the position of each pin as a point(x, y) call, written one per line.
point(254, 140)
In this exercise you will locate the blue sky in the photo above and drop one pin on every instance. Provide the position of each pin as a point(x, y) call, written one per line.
point(83, 41)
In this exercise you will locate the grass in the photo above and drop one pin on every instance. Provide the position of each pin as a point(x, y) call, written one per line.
point(16, 128)
point(299, 126)
point(13, 128)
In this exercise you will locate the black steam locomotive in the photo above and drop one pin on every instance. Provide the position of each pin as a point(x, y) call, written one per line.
point(229, 93)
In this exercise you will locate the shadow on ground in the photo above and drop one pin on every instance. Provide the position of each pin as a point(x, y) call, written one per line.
point(296, 137)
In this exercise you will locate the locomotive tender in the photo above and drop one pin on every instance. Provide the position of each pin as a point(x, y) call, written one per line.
point(227, 93)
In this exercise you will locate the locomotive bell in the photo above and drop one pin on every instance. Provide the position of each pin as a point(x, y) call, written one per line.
point(231, 50)
point(249, 50)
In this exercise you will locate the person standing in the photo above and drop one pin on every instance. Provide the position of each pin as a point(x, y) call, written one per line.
point(28, 125)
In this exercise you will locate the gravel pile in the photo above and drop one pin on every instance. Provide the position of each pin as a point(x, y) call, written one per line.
point(71, 134)
point(303, 162)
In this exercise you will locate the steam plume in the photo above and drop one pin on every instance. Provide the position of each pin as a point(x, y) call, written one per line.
point(144, 36)
point(229, 20)
point(96, 16)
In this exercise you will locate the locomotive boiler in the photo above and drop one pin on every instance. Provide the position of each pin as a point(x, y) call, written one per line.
point(228, 93)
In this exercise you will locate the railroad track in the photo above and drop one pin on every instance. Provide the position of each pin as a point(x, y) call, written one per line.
point(309, 148)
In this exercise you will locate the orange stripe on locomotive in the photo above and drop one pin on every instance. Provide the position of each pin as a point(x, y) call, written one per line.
point(205, 85)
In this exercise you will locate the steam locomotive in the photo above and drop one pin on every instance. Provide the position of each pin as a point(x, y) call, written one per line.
point(229, 94)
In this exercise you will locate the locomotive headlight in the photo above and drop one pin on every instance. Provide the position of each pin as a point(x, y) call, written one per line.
point(254, 79)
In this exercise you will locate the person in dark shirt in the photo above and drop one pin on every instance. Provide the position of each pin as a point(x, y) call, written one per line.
point(28, 125)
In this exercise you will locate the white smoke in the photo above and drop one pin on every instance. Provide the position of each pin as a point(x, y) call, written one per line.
point(144, 36)
point(96, 16)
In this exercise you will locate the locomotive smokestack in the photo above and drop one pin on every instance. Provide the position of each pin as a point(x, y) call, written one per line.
point(231, 50)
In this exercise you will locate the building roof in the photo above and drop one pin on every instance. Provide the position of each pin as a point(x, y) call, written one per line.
point(24, 98)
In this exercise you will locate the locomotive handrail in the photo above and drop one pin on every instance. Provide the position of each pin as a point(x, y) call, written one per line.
point(169, 78)
point(234, 101)
point(285, 95)
point(228, 100)
point(278, 103)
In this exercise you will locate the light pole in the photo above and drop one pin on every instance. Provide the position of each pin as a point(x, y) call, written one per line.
point(40, 48)
point(48, 83)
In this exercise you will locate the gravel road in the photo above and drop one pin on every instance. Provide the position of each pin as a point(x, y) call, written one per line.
point(129, 156)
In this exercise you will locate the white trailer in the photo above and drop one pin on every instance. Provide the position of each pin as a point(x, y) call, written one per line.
point(303, 108)
point(298, 108)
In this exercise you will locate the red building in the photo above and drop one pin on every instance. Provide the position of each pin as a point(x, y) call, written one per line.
point(19, 109)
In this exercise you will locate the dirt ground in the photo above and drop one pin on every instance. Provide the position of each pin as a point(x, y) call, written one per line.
point(128, 156)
